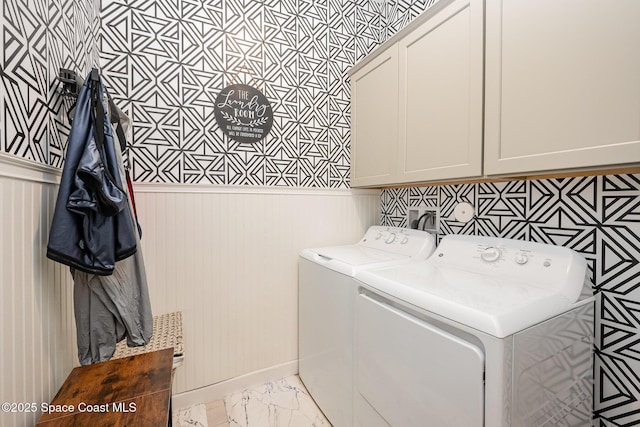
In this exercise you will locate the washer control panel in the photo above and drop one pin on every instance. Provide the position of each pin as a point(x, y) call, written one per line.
point(399, 240)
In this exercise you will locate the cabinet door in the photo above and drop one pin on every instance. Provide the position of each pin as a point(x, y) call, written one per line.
point(374, 120)
point(441, 67)
point(562, 85)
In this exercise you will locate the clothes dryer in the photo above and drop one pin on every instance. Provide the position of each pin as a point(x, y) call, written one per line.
point(486, 332)
point(327, 292)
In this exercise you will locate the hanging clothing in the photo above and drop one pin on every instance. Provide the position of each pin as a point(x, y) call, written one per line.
point(107, 310)
point(110, 304)
point(111, 308)
point(91, 230)
point(122, 126)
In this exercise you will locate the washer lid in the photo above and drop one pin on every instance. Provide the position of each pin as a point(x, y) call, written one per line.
point(499, 296)
point(380, 246)
point(357, 255)
point(351, 258)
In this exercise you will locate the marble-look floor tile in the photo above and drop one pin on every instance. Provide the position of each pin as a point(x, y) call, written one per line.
point(217, 414)
point(278, 403)
point(193, 416)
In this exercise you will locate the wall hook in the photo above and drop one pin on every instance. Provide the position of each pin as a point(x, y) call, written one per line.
point(69, 79)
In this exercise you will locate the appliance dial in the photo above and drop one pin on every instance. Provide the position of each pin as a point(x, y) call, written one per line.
point(491, 254)
point(391, 238)
point(404, 240)
point(521, 259)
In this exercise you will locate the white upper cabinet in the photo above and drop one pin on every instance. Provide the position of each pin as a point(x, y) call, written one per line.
point(441, 69)
point(417, 101)
point(374, 120)
point(506, 88)
point(562, 85)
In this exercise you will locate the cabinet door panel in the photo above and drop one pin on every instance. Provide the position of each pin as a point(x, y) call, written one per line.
point(563, 85)
point(441, 95)
point(374, 121)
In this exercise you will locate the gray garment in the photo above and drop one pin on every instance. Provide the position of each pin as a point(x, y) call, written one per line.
point(110, 308)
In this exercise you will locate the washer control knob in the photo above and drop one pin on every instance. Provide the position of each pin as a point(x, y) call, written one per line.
point(378, 236)
point(390, 238)
point(404, 240)
point(491, 254)
point(521, 259)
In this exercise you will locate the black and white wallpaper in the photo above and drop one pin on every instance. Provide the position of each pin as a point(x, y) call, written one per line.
point(166, 62)
point(598, 216)
point(39, 37)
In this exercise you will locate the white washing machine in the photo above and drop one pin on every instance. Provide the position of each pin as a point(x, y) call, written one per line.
point(327, 293)
point(486, 332)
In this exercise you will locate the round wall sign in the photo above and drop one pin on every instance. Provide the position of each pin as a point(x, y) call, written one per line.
point(243, 113)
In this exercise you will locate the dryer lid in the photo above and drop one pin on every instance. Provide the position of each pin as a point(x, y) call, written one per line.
point(499, 295)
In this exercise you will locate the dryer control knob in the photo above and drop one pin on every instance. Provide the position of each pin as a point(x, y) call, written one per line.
point(491, 254)
point(391, 238)
point(521, 259)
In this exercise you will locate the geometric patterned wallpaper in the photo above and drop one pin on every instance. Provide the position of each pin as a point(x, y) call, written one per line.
point(38, 38)
point(165, 63)
point(598, 216)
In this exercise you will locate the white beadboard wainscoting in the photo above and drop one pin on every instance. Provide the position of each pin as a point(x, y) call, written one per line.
point(37, 327)
point(227, 257)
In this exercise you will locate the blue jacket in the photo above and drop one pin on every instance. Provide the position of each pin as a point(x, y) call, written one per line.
point(92, 226)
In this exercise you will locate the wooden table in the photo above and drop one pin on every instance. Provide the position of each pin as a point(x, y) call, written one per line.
point(132, 391)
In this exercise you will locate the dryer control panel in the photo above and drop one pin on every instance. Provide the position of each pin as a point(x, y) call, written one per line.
point(537, 264)
point(518, 254)
point(403, 241)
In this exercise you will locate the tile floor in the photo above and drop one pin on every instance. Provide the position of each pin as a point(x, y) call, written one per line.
point(283, 402)
point(198, 416)
point(217, 414)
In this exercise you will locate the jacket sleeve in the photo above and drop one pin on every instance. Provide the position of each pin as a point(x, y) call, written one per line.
point(91, 229)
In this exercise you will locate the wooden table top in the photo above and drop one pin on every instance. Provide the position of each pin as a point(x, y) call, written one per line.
point(132, 391)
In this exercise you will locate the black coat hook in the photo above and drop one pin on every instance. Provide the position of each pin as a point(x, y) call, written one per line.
point(69, 79)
